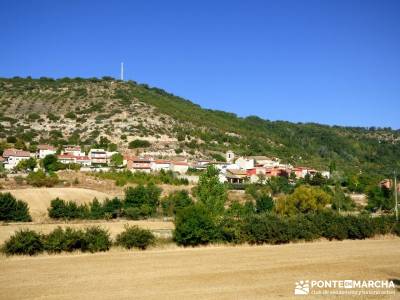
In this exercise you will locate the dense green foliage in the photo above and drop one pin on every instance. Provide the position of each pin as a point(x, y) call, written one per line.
point(67, 210)
point(28, 242)
point(194, 226)
point(12, 209)
point(135, 237)
point(139, 144)
point(24, 242)
point(141, 199)
point(174, 202)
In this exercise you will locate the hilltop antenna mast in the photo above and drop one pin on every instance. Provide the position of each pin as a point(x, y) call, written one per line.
point(122, 71)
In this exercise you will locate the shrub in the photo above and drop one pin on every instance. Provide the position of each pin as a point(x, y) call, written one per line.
point(135, 237)
point(63, 240)
point(40, 178)
point(145, 198)
point(194, 226)
point(267, 228)
point(132, 213)
point(12, 209)
point(96, 239)
point(24, 242)
point(175, 202)
point(139, 144)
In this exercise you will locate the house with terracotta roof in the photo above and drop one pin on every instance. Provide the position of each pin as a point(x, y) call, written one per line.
point(13, 156)
point(44, 150)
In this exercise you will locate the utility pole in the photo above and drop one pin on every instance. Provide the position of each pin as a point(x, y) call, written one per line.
point(122, 71)
point(396, 208)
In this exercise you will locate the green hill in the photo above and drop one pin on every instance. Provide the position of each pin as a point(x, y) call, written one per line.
point(81, 110)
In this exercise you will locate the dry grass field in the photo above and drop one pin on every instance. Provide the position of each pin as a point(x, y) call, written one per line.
point(216, 272)
point(39, 199)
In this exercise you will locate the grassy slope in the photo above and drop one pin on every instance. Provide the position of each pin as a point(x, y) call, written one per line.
point(352, 149)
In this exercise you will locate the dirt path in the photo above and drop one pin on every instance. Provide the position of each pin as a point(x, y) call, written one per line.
point(244, 272)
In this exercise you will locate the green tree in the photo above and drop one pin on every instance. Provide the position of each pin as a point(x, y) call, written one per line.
point(340, 201)
point(51, 163)
point(211, 192)
point(194, 226)
point(139, 144)
point(304, 199)
point(27, 164)
point(379, 198)
point(117, 159)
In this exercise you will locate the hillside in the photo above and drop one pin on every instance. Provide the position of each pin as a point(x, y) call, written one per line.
point(80, 111)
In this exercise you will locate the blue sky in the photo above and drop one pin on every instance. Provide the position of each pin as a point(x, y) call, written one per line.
point(332, 62)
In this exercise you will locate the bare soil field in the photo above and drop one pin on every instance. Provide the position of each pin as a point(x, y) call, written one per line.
point(39, 199)
point(215, 272)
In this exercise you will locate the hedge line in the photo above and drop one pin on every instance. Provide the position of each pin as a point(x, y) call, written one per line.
point(195, 226)
point(92, 239)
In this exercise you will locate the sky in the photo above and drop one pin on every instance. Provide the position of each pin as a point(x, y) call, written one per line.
point(330, 62)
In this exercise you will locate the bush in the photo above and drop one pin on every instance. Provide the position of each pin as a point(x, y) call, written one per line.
point(40, 178)
point(139, 144)
point(64, 240)
point(135, 237)
point(175, 202)
point(60, 209)
point(132, 213)
point(24, 242)
point(96, 239)
point(194, 226)
point(267, 228)
point(12, 209)
point(144, 198)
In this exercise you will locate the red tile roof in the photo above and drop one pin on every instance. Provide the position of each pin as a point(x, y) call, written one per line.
point(46, 147)
point(15, 152)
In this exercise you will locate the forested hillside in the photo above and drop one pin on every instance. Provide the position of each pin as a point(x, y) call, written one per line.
point(80, 111)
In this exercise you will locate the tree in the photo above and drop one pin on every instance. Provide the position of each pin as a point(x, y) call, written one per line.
point(117, 159)
point(379, 198)
point(12, 209)
point(139, 144)
point(27, 164)
point(175, 201)
point(145, 198)
point(194, 226)
point(304, 199)
point(50, 163)
point(211, 192)
point(340, 201)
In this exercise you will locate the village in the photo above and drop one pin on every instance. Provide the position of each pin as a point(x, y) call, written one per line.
point(235, 170)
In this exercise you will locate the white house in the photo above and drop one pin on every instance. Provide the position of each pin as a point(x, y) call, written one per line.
point(245, 163)
point(180, 167)
point(73, 150)
point(160, 164)
point(84, 161)
point(44, 150)
point(98, 156)
point(13, 156)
